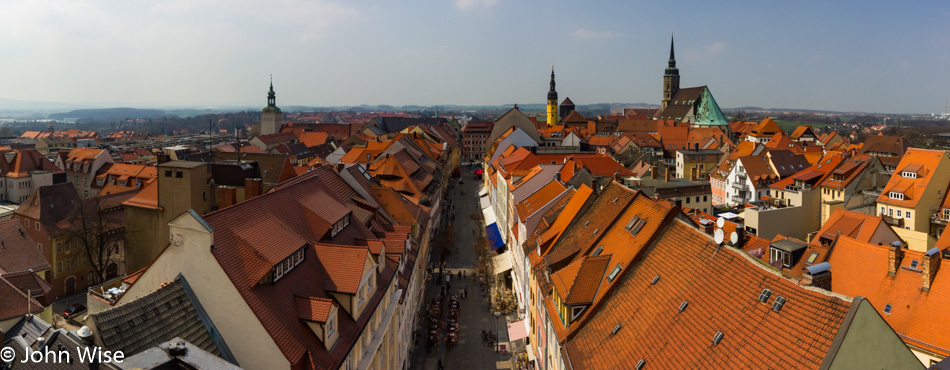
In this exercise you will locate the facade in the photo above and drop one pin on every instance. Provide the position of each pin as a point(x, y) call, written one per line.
point(696, 164)
point(909, 198)
point(475, 140)
point(853, 186)
point(685, 193)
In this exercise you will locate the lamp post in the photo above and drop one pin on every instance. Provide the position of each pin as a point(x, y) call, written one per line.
point(497, 345)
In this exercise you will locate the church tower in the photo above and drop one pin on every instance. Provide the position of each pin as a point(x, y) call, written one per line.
point(671, 80)
point(271, 116)
point(552, 101)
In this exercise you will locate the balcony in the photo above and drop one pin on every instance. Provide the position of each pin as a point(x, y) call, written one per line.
point(741, 186)
point(740, 176)
point(738, 199)
point(941, 217)
point(894, 222)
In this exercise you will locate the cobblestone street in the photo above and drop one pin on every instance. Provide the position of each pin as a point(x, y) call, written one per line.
point(474, 315)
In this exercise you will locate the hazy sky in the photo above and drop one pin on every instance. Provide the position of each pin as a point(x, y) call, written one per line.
point(841, 55)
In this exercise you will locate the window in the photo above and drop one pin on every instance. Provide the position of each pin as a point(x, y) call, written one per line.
point(811, 258)
point(780, 255)
point(37, 224)
point(331, 327)
point(898, 213)
point(687, 200)
point(179, 174)
point(895, 195)
point(26, 222)
point(705, 198)
point(59, 247)
point(340, 225)
point(883, 210)
point(168, 173)
point(613, 273)
point(59, 266)
point(909, 175)
point(39, 247)
point(596, 252)
point(888, 308)
point(914, 264)
point(890, 212)
point(907, 215)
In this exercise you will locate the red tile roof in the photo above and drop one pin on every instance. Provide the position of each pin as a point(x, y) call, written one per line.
point(313, 308)
point(917, 316)
point(13, 301)
point(720, 287)
point(924, 163)
point(18, 251)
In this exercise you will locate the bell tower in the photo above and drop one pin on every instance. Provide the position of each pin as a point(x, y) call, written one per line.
point(271, 116)
point(671, 80)
point(552, 101)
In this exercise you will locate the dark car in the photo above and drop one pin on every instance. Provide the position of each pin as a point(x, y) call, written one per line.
point(73, 310)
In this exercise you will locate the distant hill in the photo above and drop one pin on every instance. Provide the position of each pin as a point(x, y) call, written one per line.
point(109, 114)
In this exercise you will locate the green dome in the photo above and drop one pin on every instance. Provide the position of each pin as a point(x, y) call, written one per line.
point(270, 109)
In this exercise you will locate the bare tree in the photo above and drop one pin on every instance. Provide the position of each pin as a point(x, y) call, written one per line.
point(98, 227)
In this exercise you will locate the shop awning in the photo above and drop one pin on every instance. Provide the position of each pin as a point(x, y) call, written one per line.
point(502, 262)
point(517, 330)
point(494, 236)
point(489, 214)
point(483, 191)
point(484, 202)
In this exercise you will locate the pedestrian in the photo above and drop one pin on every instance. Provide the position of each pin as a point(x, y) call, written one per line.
point(449, 286)
point(459, 274)
point(465, 289)
point(463, 274)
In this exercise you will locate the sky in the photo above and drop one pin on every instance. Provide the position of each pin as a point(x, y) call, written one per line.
point(868, 56)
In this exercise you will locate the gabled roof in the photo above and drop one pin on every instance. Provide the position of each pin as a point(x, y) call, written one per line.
point(682, 103)
point(582, 236)
point(893, 145)
point(757, 167)
point(13, 301)
point(815, 174)
point(801, 131)
point(277, 138)
point(849, 171)
point(718, 290)
point(786, 163)
point(29, 281)
point(311, 138)
point(50, 204)
point(767, 127)
point(19, 163)
point(514, 118)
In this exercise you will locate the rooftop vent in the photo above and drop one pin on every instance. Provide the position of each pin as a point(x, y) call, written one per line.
point(777, 305)
point(683, 306)
point(655, 279)
point(616, 199)
point(616, 329)
point(596, 252)
point(717, 338)
point(640, 364)
point(914, 264)
point(587, 223)
point(764, 297)
point(596, 231)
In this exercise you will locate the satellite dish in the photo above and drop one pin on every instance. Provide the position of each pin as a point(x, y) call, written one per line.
point(720, 222)
point(719, 236)
point(734, 238)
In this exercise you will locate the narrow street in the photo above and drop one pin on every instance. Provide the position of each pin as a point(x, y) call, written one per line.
point(469, 352)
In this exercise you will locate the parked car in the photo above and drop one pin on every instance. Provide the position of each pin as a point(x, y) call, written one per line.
point(75, 309)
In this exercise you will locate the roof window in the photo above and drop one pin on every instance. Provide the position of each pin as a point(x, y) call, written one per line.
point(616, 199)
point(616, 329)
point(888, 308)
point(895, 195)
point(717, 338)
point(914, 264)
point(764, 297)
point(777, 305)
point(600, 248)
point(613, 273)
point(683, 306)
point(655, 279)
point(811, 258)
point(640, 364)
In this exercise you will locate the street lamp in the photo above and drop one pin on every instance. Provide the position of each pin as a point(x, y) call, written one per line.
point(497, 345)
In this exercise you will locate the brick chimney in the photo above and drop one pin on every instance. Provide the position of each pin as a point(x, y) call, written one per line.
point(929, 267)
point(227, 195)
point(819, 275)
point(666, 175)
point(252, 188)
point(894, 257)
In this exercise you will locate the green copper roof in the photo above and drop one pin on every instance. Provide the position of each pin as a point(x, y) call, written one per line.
point(708, 112)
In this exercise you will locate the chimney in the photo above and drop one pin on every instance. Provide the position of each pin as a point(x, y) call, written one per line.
point(820, 275)
point(666, 175)
point(593, 184)
point(894, 256)
point(252, 188)
point(227, 196)
point(653, 172)
point(692, 173)
point(930, 265)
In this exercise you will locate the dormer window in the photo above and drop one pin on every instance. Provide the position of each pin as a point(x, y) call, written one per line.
point(283, 267)
point(85, 167)
point(908, 175)
point(340, 225)
point(895, 195)
point(100, 181)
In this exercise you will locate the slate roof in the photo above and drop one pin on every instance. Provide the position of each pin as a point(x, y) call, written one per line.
point(50, 204)
point(683, 102)
point(157, 317)
point(28, 281)
point(893, 145)
point(720, 287)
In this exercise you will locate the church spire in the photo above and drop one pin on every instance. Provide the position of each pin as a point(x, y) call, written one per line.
point(552, 101)
point(271, 96)
point(671, 79)
point(552, 94)
point(671, 69)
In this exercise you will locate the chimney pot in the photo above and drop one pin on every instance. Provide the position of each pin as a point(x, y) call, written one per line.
point(894, 257)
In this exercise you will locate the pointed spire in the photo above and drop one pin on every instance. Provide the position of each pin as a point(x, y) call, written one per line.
point(672, 58)
point(552, 94)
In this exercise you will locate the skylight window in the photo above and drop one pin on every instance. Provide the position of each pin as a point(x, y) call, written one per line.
point(600, 248)
point(777, 305)
point(812, 258)
point(914, 264)
point(888, 308)
point(764, 297)
point(613, 273)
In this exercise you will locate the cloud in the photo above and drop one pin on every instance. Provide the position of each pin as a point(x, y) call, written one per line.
point(716, 48)
point(586, 34)
point(472, 4)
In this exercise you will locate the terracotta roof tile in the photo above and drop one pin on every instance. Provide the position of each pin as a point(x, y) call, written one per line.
point(18, 251)
point(313, 308)
point(720, 287)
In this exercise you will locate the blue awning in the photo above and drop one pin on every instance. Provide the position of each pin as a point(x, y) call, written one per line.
point(494, 236)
